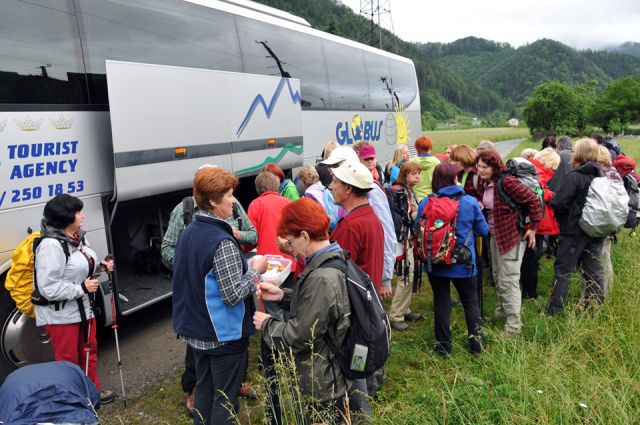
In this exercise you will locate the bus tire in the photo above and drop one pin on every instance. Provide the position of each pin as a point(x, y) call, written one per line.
point(21, 342)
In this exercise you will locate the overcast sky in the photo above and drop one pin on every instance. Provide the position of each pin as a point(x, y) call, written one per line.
point(580, 24)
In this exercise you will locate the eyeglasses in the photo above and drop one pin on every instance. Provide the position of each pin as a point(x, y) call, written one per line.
point(289, 242)
point(369, 159)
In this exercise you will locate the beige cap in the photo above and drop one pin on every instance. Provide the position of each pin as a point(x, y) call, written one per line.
point(354, 173)
point(339, 154)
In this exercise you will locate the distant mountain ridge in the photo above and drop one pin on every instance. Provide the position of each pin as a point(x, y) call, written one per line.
point(477, 76)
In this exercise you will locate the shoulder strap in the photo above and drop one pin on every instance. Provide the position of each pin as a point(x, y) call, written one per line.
point(187, 210)
point(465, 174)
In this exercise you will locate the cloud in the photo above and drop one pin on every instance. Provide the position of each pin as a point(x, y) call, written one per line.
point(578, 23)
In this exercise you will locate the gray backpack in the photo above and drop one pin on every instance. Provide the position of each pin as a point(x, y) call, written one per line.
point(605, 209)
point(526, 173)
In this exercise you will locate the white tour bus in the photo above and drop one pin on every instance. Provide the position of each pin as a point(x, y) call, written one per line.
point(232, 83)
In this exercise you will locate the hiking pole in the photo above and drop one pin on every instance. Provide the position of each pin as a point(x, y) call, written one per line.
point(114, 326)
point(87, 348)
point(479, 266)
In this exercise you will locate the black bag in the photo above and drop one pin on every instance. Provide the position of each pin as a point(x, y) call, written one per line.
point(399, 206)
point(367, 344)
point(631, 186)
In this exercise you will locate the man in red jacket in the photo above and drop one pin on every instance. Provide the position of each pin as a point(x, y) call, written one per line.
point(359, 231)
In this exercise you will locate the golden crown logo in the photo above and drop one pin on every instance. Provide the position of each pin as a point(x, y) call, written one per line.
point(28, 124)
point(61, 123)
point(3, 124)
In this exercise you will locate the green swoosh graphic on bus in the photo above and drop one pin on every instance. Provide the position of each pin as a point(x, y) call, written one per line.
point(276, 159)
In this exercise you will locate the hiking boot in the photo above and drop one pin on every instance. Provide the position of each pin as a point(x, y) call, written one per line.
point(247, 392)
point(412, 317)
point(509, 334)
point(107, 396)
point(399, 325)
point(191, 403)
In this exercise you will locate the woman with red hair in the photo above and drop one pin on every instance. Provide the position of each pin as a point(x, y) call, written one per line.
point(507, 245)
point(427, 164)
point(287, 187)
point(319, 307)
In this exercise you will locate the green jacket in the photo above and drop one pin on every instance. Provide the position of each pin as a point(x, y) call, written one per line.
point(319, 306)
point(288, 190)
point(427, 165)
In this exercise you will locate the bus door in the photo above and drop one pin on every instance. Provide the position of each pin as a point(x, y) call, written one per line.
point(167, 121)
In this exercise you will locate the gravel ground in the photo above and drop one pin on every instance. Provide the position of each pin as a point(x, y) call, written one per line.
point(149, 350)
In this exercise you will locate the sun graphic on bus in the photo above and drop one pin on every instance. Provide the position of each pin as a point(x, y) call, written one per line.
point(402, 125)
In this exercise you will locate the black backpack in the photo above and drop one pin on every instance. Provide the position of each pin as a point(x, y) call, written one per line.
point(399, 206)
point(188, 210)
point(367, 344)
point(526, 174)
point(631, 186)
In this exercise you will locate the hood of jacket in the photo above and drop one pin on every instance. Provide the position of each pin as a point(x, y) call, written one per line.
point(450, 191)
point(426, 162)
point(590, 169)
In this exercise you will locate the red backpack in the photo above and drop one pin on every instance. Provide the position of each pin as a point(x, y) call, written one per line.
point(436, 233)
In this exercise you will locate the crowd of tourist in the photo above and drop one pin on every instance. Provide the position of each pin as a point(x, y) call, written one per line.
point(464, 210)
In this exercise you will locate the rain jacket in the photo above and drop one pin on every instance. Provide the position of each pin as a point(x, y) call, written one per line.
point(61, 280)
point(548, 225)
point(470, 221)
point(288, 190)
point(319, 305)
point(427, 164)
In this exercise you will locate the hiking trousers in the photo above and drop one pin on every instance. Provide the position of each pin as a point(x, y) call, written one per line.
point(506, 275)
point(68, 344)
point(218, 381)
point(468, 293)
point(577, 250)
point(607, 266)
point(529, 269)
point(402, 296)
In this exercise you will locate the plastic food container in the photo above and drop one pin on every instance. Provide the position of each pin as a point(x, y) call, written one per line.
point(278, 268)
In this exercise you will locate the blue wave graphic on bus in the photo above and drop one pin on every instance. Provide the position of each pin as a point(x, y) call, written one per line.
point(259, 100)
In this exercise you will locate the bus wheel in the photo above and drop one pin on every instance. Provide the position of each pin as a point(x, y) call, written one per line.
point(21, 342)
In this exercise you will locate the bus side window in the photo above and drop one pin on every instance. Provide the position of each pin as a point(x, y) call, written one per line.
point(271, 50)
point(40, 54)
point(163, 32)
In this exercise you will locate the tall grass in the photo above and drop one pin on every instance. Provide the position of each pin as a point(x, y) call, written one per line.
point(577, 368)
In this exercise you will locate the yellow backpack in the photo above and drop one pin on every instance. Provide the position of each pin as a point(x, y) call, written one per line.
point(19, 280)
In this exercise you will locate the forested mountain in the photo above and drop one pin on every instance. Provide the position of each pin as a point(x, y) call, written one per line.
point(475, 75)
point(630, 48)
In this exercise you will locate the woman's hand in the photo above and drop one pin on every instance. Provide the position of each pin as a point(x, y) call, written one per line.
point(269, 291)
point(236, 233)
point(107, 265)
point(258, 318)
point(260, 264)
point(91, 285)
point(530, 237)
point(283, 247)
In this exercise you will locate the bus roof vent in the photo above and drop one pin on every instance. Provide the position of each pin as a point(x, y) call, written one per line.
point(268, 10)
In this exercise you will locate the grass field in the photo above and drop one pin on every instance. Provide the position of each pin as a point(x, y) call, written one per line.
point(443, 138)
point(580, 368)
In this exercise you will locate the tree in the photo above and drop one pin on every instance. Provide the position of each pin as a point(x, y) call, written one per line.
point(619, 104)
point(554, 108)
point(429, 122)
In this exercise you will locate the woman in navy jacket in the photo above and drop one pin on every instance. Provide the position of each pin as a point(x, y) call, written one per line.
point(470, 220)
